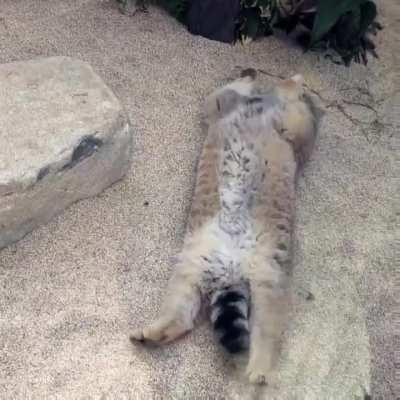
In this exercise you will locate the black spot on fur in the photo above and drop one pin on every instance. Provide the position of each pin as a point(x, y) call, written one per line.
point(282, 227)
point(238, 203)
point(219, 261)
point(254, 100)
point(85, 149)
point(227, 145)
point(278, 205)
point(259, 110)
point(282, 246)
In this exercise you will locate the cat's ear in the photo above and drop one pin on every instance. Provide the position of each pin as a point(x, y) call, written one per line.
point(224, 100)
point(291, 88)
point(296, 85)
point(219, 104)
point(298, 79)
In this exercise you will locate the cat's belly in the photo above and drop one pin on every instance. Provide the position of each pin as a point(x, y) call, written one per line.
point(225, 263)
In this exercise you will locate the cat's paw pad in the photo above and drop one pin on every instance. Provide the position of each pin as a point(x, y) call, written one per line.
point(160, 332)
point(261, 374)
point(148, 334)
point(257, 377)
point(137, 336)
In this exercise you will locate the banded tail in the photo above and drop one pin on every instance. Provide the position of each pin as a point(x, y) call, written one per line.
point(229, 316)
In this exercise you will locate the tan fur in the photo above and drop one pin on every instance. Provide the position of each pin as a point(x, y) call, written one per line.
point(205, 202)
point(267, 266)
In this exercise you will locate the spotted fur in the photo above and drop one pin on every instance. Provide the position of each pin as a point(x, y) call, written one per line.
point(236, 252)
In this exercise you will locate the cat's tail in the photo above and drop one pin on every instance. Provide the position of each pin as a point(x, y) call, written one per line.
point(229, 316)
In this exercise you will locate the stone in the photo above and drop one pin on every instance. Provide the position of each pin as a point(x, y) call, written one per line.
point(213, 19)
point(64, 136)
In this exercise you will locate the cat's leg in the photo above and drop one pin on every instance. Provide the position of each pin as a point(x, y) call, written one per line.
point(270, 299)
point(179, 309)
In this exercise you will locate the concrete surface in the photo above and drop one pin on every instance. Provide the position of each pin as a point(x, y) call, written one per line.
point(72, 290)
point(64, 137)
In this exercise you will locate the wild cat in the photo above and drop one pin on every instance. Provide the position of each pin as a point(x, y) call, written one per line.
point(236, 252)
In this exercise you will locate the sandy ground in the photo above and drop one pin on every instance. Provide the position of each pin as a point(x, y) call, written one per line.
point(72, 290)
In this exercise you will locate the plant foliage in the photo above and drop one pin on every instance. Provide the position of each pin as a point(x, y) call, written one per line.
point(344, 26)
point(177, 8)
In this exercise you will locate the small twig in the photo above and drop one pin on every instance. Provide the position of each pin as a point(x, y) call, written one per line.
point(85, 94)
point(261, 71)
point(361, 90)
point(340, 108)
point(357, 103)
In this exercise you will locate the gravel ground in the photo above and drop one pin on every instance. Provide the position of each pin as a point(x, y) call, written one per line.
point(72, 290)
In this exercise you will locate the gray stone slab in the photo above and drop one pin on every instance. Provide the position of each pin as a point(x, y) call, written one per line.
point(64, 136)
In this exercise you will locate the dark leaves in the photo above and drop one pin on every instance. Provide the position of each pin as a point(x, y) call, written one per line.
point(328, 13)
point(344, 26)
point(340, 25)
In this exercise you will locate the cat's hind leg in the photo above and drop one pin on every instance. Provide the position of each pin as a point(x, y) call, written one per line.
point(179, 309)
point(270, 302)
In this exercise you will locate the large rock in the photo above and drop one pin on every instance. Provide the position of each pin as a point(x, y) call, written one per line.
point(63, 137)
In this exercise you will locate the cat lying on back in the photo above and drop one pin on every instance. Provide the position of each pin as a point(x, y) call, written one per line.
point(236, 253)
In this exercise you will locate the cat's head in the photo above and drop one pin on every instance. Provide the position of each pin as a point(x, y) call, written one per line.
point(224, 100)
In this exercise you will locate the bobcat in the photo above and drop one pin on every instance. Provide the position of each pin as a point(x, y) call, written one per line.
point(236, 253)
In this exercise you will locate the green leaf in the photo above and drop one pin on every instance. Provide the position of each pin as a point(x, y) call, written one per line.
point(264, 3)
point(328, 13)
point(252, 24)
point(177, 8)
point(368, 15)
point(249, 3)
